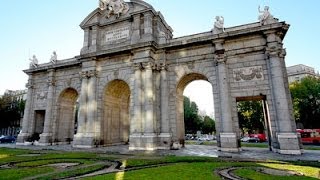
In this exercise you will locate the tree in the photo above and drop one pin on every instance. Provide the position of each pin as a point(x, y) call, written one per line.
point(250, 115)
point(11, 110)
point(192, 120)
point(306, 101)
point(208, 125)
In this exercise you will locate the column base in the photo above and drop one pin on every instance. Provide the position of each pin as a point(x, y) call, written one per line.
point(45, 139)
point(289, 144)
point(147, 142)
point(228, 142)
point(165, 141)
point(22, 137)
point(84, 140)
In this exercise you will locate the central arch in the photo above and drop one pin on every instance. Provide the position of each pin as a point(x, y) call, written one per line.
point(115, 124)
point(184, 81)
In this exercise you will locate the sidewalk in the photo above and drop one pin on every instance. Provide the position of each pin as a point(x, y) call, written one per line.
point(189, 150)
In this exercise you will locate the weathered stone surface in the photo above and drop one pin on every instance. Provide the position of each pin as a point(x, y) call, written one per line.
point(127, 84)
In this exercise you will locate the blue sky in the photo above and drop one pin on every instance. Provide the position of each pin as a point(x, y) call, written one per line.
point(41, 26)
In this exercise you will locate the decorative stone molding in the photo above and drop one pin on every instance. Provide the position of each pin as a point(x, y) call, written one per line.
point(248, 74)
point(42, 95)
point(51, 82)
point(275, 51)
point(29, 85)
point(220, 59)
point(92, 73)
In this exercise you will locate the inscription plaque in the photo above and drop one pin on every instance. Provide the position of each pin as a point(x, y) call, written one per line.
point(117, 34)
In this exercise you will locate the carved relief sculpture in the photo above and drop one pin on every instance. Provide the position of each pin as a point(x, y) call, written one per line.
point(248, 74)
point(114, 7)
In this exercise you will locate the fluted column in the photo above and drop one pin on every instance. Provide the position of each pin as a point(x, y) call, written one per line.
point(149, 95)
point(228, 138)
point(136, 124)
point(46, 136)
point(83, 110)
point(26, 121)
point(92, 124)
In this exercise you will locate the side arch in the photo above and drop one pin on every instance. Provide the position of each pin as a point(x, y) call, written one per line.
point(66, 118)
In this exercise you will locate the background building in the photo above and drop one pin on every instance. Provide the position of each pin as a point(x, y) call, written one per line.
point(299, 71)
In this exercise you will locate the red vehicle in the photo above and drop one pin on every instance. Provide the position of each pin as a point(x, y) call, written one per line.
point(262, 137)
point(310, 135)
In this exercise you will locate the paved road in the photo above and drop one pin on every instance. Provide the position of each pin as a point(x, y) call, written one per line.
point(189, 150)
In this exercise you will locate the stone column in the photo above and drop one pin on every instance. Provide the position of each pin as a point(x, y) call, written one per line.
point(46, 136)
point(24, 134)
point(149, 135)
point(136, 128)
point(149, 95)
point(165, 135)
point(93, 126)
point(287, 136)
point(82, 119)
point(228, 138)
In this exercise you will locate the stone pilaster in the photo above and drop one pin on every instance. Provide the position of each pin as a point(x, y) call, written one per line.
point(228, 136)
point(26, 122)
point(46, 136)
point(136, 29)
point(287, 137)
point(148, 26)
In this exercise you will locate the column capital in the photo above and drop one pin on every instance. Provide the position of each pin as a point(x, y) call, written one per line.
point(51, 82)
point(275, 51)
point(163, 67)
point(220, 58)
point(92, 73)
point(137, 66)
point(83, 74)
point(148, 65)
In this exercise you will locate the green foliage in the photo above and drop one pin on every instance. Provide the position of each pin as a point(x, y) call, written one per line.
point(192, 121)
point(11, 110)
point(208, 125)
point(250, 115)
point(306, 101)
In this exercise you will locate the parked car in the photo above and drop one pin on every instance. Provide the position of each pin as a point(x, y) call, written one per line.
point(254, 139)
point(7, 139)
point(250, 139)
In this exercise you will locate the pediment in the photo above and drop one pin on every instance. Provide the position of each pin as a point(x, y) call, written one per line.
point(103, 16)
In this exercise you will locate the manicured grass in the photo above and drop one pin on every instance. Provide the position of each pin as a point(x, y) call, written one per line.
point(136, 167)
point(252, 174)
point(19, 173)
point(181, 171)
point(73, 172)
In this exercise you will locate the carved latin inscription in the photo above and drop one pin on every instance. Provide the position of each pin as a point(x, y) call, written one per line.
point(248, 73)
point(117, 34)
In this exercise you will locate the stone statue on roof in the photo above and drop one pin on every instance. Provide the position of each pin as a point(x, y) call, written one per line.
point(114, 7)
point(34, 61)
point(265, 17)
point(54, 57)
point(218, 25)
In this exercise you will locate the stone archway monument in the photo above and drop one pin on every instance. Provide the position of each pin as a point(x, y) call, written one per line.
point(126, 85)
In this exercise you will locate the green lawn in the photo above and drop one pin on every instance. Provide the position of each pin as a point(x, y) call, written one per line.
point(19, 164)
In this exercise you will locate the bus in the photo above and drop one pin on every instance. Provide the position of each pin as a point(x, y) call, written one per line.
point(309, 136)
